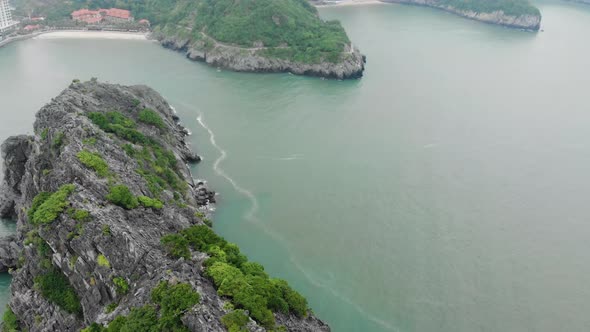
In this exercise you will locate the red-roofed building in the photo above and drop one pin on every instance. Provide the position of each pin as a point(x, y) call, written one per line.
point(88, 16)
point(32, 27)
point(117, 14)
point(144, 22)
point(114, 15)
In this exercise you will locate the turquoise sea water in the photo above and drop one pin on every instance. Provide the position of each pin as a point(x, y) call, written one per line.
point(445, 191)
point(7, 227)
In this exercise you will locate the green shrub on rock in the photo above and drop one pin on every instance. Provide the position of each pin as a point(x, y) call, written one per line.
point(37, 201)
point(121, 195)
point(10, 321)
point(94, 161)
point(101, 260)
point(79, 214)
point(55, 287)
point(235, 321)
point(140, 319)
point(245, 283)
point(150, 202)
point(150, 117)
point(176, 245)
point(173, 301)
point(48, 208)
point(121, 285)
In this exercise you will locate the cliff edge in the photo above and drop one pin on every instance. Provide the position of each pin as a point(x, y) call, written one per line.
point(112, 230)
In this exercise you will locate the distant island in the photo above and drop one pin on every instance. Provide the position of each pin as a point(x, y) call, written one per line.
point(246, 35)
point(520, 14)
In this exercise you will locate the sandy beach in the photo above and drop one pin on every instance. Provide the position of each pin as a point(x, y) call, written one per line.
point(93, 35)
point(351, 3)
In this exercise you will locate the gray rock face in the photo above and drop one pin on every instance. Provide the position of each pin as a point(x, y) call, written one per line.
point(250, 60)
point(10, 250)
point(527, 22)
point(128, 239)
point(15, 153)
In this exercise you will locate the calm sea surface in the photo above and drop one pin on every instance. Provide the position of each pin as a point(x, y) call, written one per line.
point(445, 191)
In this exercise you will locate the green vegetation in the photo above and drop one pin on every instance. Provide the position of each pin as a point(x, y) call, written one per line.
point(58, 141)
point(43, 249)
point(79, 215)
point(150, 202)
point(121, 285)
point(94, 161)
point(159, 168)
point(10, 321)
point(509, 7)
point(110, 308)
point(89, 141)
point(235, 321)
point(101, 260)
point(44, 133)
point(106, 230)
point(55, 287)
point(171, 301)
point(156, 165)
point(120, 125)
point(37, 201)
point(176, 245)
point(150, 117)
point(291, 29)
point(46, 208)
point(121, 195)
point(245, 283)
point(140, 319)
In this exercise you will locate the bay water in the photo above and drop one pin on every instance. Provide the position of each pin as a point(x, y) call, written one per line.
point(445, 191)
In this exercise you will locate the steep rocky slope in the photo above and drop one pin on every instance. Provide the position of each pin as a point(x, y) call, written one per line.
point(112, 231)
point(243, 59)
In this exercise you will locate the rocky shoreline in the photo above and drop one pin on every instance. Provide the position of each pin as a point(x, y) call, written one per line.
point(242, 59)
point(83, 255)
point(525, 22)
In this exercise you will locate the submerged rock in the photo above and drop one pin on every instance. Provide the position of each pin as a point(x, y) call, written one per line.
point(85, 253)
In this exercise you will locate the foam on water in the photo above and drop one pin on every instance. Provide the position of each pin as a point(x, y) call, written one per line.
point(250, 215)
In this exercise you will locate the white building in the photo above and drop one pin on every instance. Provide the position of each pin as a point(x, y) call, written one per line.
point(6, 22)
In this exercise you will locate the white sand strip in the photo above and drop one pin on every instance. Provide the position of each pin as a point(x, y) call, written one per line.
point(93, 35)
point(351, 3)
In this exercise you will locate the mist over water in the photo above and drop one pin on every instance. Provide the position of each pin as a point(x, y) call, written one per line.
point(445, 191)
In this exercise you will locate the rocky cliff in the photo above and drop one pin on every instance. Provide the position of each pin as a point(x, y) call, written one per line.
point(527, 22)
point(112, 229)
point(241, 59)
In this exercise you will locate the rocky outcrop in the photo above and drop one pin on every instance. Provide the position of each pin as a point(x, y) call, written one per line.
point(15, 153)
point(527, 22)
point(89, 250)
point(351, 65)
point(10, 250)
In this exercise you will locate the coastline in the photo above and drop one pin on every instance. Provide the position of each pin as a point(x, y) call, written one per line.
point(525, 22)
point(346, 3)
point(89, 34)
point(73, 34)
